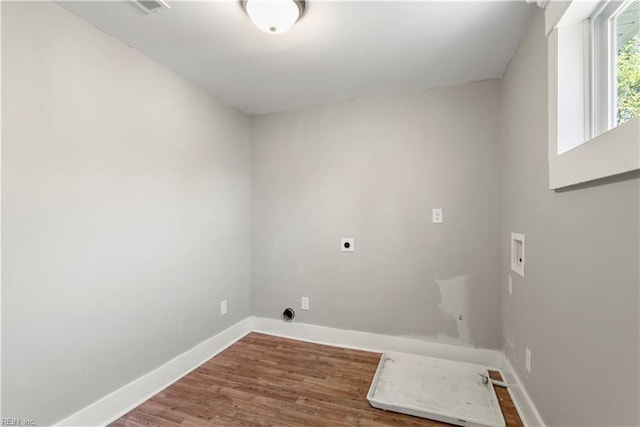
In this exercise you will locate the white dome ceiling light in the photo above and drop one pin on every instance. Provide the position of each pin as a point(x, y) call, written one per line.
point(274, 16)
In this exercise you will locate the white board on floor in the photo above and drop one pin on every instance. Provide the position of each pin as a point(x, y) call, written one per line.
point(442, 390)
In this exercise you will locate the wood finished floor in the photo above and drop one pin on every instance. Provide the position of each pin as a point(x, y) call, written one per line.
point(267, 380)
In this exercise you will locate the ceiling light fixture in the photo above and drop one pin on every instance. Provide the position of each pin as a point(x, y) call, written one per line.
point(274, 16)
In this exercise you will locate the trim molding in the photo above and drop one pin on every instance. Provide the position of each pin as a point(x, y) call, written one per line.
point(375, 342)
point(115, 404)
point(119, 402)
point(527, 410)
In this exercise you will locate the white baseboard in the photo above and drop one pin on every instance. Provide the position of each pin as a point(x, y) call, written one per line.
point(121, 401)
point(126, 398)
point(527, 410)
point(375, 342)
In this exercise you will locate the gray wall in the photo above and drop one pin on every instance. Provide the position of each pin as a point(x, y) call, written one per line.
point(125, 213)
point(373, 170)
point(125, 221)
point(577, 307)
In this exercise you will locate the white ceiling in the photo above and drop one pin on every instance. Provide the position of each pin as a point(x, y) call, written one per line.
point(337, 51)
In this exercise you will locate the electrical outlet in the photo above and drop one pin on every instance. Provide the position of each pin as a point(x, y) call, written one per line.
point(305, 303)
point(223, 307)
point(527, 359)
point(510, 285)
point(437, 216)
point(347, 244)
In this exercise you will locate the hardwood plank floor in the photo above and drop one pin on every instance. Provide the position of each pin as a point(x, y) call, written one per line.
point(264, 380)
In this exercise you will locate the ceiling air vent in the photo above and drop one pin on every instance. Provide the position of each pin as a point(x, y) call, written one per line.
point(151, 6)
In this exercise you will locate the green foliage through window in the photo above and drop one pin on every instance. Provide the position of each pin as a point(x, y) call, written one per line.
point(628, 76)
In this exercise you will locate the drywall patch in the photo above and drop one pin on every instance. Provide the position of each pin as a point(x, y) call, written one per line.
point(454, 302)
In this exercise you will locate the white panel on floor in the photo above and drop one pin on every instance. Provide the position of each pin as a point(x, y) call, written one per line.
point(442, 390)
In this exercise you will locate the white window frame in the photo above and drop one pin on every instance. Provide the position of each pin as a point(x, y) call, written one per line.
point(583, 144)
point(603, 66)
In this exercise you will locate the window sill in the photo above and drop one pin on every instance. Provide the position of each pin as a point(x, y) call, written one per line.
point(611, 153)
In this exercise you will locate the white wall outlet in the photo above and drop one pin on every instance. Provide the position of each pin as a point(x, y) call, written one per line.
point(510, 285)
point(223, 307)
point(305, 303)
point(527, 359)
point(347, 244)
point(437, 215)
point(517, 253)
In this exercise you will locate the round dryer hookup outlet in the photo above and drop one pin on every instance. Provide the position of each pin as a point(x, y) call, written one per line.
point(347, 244)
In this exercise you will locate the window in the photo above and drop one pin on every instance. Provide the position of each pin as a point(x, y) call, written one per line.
point(615, 41)
point(627, 33)
point(594, 89)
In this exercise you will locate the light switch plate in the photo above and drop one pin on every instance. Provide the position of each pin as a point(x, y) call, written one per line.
point(527, 359)
point(223, 307)
point(305, 303)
